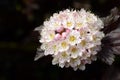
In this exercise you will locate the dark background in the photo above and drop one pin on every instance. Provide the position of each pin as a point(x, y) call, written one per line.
point(19, 41)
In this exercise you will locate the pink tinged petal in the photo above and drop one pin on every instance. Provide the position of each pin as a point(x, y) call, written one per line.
point(75, 14)
point(60, 29)
point(57, 36)
point(64, 34)
point(67, 30)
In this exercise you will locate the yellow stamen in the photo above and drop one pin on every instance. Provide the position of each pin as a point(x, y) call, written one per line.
point(52, 36)
point(54, 47)
point(83, 43)
point(63, 44)
point(79, 25)
point(64, 54)
point(73, 50)
point(88, 19)
point(94, 38)
point(56, 25)
point(69, 24)
point(72, 38)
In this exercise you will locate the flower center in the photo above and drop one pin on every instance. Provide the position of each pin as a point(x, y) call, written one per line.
point(79, 25)
point(69, 24)
point(54, 47)
point(73, 50)
point(83, 43)
point(72, 38)
point(63, 44)
point(52, 36)
point(64, 54)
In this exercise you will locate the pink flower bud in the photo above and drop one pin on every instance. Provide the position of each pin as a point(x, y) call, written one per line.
point(57, 36)
point(67, 31)
point(64, 34)
point(60, 29)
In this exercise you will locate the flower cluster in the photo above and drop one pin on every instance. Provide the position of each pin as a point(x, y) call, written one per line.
point(72, 37)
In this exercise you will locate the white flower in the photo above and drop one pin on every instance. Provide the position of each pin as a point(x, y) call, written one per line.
point(44, 46)
point(99, 24)
point(79, 24)
point(64, 57)
point(50, 36)
point(75, 52)
point(47, 37)
point(72, 38)
point(85, 55)
point(75, 62)
point(63, 46)
point(48, 51)
point(69, 23)
point(80, 21)
point(54, 48)
point(91, 18)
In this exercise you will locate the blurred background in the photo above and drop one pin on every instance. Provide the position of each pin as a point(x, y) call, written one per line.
point(19, 41)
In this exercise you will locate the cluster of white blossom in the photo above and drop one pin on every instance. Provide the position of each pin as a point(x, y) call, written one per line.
point(72, 37)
